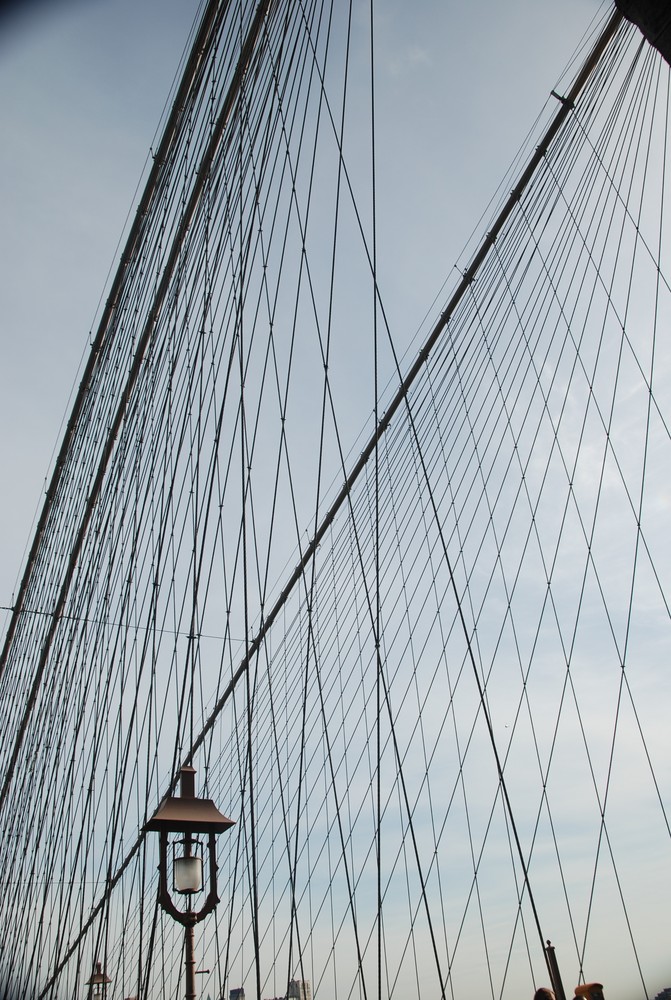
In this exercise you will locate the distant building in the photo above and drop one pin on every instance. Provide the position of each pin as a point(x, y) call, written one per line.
point(299, 990)
point(238, 994)
point(665, 994)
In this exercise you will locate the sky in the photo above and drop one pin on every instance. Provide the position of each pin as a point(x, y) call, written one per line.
point(83, 85)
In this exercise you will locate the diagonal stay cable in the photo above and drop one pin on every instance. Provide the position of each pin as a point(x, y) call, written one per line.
point(133, 375)
point(198, 58)
point(402, 392)
point(383, 424)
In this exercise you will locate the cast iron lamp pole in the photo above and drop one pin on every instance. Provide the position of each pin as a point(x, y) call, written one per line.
point(187, 815)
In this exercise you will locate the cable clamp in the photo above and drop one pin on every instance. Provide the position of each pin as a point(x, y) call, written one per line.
point(563, 100)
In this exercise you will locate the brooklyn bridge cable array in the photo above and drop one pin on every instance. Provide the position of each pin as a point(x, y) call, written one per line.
point(495, 578)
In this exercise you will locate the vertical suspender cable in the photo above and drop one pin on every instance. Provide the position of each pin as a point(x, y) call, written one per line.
point(194, 68)
point(376, 543)
point(382, 424)
point(402, 392)
point(246, 54)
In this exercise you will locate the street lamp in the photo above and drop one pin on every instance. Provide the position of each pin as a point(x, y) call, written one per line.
point(98, 982)
point(187, 816)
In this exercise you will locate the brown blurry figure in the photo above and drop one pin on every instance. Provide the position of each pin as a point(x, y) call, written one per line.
point(590, 991)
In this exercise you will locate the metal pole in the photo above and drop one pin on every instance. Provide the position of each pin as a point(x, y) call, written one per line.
point(553, 969)
point(190, 964)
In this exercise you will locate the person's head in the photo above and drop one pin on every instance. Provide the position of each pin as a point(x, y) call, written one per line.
point(589, 991)
point(544, 994)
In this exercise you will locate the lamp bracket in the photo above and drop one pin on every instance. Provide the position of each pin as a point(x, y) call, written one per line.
point(186, 917)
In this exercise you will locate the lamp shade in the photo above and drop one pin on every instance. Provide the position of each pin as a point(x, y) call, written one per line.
point(187, 814)
point(188, 873)
point(98, 980)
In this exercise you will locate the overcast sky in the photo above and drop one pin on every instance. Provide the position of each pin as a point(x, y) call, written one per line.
point(83, 84)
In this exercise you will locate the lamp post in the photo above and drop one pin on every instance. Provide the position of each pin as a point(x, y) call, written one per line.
point(98, 982)
point(187, 816)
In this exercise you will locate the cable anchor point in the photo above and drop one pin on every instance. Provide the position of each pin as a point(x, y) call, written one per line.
point(563, 100)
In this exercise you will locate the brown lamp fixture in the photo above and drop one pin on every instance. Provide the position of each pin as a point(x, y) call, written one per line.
point(187, 816)
point(97, 984)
